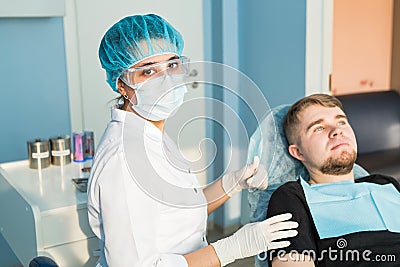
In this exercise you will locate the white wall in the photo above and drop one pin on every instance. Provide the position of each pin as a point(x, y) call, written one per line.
point(90, 95)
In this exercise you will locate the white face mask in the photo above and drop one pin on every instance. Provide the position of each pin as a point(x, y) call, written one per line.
point(158, 98)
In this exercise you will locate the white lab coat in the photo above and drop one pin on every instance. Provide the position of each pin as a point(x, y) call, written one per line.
point(134, 228)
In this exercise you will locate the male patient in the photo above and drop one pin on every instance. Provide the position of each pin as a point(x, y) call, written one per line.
point(342, 222)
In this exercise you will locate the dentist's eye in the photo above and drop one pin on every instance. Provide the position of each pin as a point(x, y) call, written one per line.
point(340, 123)
point(173, 65)
point(148, 72)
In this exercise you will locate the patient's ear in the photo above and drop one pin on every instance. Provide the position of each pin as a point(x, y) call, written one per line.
point(294, 151)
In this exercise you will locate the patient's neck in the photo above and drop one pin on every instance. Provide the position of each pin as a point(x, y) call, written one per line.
point(316, 177)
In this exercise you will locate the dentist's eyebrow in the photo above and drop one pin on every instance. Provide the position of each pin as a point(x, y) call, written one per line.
point(151, 62)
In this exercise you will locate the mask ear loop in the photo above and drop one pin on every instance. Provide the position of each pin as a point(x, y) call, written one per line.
point(127, 98)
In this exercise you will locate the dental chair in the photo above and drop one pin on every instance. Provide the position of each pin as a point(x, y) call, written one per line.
point(42, 261)
point(378, 133)
point(270, 144)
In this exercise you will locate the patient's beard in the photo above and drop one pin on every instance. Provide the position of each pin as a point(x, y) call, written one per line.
point(340, 165)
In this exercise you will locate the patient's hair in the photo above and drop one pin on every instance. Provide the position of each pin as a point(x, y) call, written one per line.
point(292, 120)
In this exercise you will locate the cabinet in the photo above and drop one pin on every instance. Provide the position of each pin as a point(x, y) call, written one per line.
point(42, 213)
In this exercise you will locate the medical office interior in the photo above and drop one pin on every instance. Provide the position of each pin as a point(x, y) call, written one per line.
point(53, 85)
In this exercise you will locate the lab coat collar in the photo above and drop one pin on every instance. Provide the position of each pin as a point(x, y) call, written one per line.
point(123, 116)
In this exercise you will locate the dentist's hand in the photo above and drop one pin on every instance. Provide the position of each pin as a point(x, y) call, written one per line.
point(254, 238)
point(251, 176)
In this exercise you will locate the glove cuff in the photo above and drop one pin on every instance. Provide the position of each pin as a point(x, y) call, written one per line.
point(230, 184)
point(225, 252)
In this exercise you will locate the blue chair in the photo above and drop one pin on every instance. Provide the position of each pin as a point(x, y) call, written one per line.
point(42, 261)
point(270, 144)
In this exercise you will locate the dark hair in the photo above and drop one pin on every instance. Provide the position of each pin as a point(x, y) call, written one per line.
point(117, 100)
point(292, 120)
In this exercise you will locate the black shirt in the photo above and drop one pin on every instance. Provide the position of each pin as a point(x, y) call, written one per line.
point(368, 248)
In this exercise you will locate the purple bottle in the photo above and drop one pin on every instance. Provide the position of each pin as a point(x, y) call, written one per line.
point(78, 140)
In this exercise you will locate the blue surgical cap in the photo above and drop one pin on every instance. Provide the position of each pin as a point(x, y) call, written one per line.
point(133, 39)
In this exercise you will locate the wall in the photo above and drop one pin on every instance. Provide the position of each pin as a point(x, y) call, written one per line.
point(270, 50)
point(272, 38)
point(212, 14)
point(362, 44)
point(34, 95)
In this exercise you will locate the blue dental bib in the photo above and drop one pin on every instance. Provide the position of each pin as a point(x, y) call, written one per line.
point(347, 207)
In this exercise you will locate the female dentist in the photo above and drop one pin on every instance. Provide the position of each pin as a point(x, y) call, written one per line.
point(142, 58)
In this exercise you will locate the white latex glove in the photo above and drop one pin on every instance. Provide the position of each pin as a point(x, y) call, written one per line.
point(259, 180)
point(254, 238)
point(247, 177)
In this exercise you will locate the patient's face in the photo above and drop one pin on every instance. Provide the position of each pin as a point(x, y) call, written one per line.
point(327, 141)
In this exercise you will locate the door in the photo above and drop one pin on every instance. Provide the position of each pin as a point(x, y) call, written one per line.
point(362, 46)
point(349, 46)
